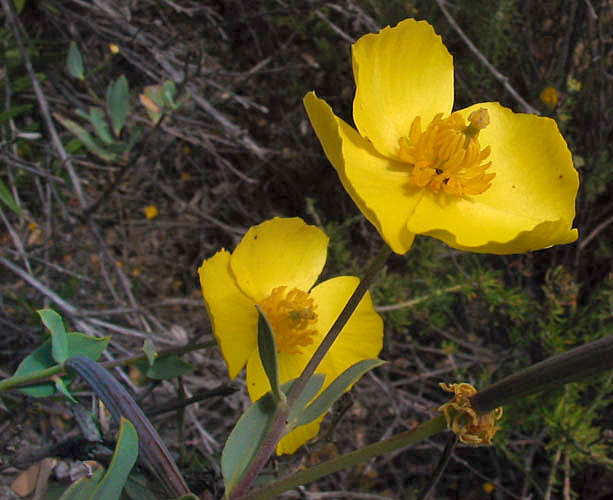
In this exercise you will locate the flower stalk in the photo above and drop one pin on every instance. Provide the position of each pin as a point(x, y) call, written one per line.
point(587, 360)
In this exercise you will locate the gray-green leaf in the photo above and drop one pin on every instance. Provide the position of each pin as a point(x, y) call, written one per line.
point(7, 198)
point(59, 337)
point(118, 103)
point(267, 348)
point(334, 391)
point(124, 458)
point(74, 62)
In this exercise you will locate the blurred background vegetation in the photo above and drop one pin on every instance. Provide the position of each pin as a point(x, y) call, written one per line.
point(111, 234)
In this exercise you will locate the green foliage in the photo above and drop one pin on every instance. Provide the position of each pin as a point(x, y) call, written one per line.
point(118, 104)
point(267, 348)
point(74, 62)
point(248, 433)
point(59, 338)
point(7, 198)
point(42, 359)
point(110, 485)
point(335, 390)
point(160, 99)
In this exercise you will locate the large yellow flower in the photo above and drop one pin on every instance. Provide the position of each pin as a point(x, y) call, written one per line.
point(275, 266)
point(482, 179)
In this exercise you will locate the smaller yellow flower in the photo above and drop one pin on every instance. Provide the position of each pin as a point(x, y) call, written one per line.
point(549, 97)
point(114, 48)
point(489, 487)
point(471, 429)
point(275, 266)
point(151, 211)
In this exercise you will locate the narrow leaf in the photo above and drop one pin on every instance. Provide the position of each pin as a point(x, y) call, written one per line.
point(334, 391)
point(59, 337)
point(310, 390)
point(98, 120)
point(149, 351)
point(117, 101)
point(7, 198)
point(61, 388)
point(245, 440)
point(74, 62)
point(85, 137)
point(267, 348)
point(124, 458)
point(168, 92)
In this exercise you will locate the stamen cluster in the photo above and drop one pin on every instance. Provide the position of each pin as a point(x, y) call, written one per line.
point(447, 155)
point(290, 315)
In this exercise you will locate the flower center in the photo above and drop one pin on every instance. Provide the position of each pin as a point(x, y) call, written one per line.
point(447, 155)
point(290, 314)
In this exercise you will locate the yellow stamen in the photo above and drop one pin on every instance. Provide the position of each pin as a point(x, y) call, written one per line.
point(470, 428)
point(447, 155)
point(290, 314)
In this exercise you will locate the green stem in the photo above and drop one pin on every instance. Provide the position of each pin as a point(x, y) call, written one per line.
point(277, 427)
point(369, 277)
point(421, 432)
point(42, 375)
point(30, 378)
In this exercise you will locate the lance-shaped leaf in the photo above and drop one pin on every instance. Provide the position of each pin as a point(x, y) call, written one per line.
point(248, 433)
point(118, 103)
point(74, 62)
point(124, 458)
point(335, 390)
point(267, 348)
point(97, 118)
point(86, 139)
point(7, 198)
point(59, 337)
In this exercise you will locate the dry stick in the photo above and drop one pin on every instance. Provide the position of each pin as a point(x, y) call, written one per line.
point(597, 230)
point(497, 74)
point(69, 308)
point(275, 431)
point(13, 20)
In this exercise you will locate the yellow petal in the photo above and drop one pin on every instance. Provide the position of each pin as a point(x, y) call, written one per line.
point(400, 73)
point(377, 185)
point(233, 316)
point(300, 435)
point(279, 252)
point(531, 202)
point(362, 336)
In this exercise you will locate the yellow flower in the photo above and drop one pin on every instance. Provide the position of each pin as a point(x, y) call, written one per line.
point(151, 211)
point(482, 179)
point(275, 266)
point(549, 97)
point(114, 48)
